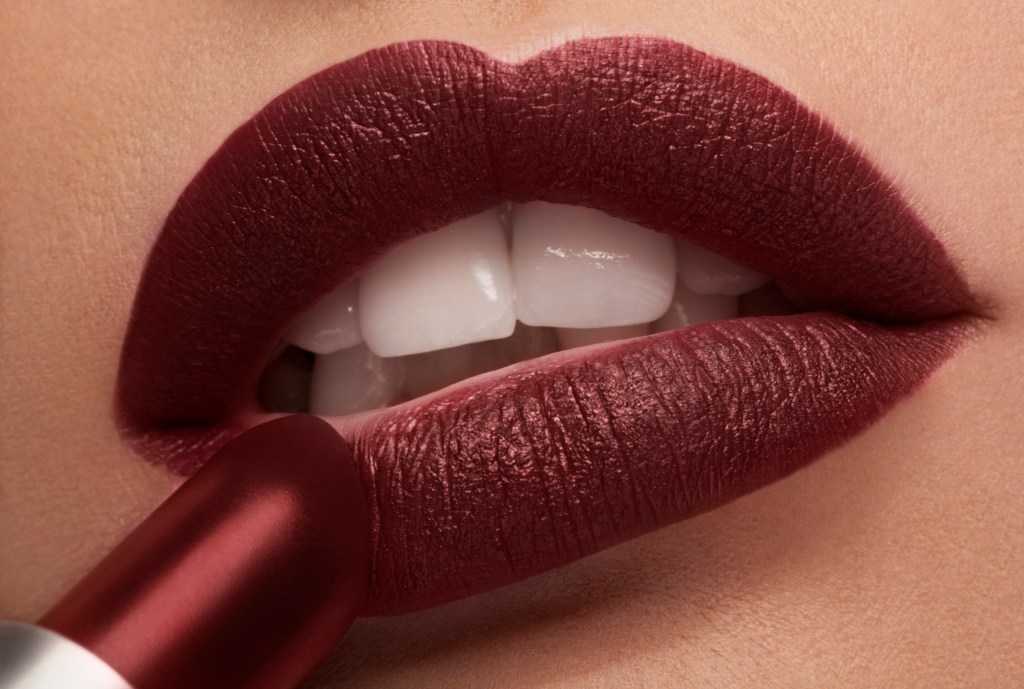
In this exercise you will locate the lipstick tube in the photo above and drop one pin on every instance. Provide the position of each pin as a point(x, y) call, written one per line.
point(245, 577)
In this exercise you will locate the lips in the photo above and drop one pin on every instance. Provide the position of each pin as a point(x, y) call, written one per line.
point(502, 477)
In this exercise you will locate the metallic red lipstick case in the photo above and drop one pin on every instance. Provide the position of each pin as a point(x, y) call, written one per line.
point(245, 577)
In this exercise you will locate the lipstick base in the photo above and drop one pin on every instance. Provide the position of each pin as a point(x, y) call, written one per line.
point(32, 657)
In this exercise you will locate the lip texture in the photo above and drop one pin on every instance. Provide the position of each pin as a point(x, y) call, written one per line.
point(489, 482)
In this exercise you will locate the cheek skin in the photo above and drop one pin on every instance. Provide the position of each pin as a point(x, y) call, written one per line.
point(896, 556)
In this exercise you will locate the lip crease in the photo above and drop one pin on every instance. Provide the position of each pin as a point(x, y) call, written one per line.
point(510, 474)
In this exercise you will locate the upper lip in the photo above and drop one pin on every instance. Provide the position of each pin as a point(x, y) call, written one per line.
point(480, 486)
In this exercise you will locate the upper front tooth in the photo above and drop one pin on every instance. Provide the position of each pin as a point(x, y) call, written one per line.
point(576, 267)
point(706, 272)
point(439, 290)
point(331, 325)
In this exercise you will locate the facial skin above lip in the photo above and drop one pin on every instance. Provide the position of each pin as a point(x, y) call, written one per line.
point(483, 485)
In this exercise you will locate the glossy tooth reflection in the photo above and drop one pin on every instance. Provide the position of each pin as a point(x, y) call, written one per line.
point(706, 272)
point(443, 289)
point(331, 325)
point(577, 267)
point(354, 379)
point(691, 308)
point(570, 338)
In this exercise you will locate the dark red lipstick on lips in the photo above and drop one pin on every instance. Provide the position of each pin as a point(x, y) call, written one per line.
point(494, 480)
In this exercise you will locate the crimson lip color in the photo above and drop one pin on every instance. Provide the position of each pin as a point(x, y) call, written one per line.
point(245, 577)
point(491, 481)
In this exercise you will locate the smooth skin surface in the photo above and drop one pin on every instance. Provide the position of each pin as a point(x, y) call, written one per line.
point(894, 561)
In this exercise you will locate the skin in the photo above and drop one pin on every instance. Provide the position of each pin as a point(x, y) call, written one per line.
point(893, 560)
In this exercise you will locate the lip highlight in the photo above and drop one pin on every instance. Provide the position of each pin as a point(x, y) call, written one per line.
point(491, 481)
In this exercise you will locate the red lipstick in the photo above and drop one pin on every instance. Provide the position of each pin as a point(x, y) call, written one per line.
point(502, 477)
point(245, 577)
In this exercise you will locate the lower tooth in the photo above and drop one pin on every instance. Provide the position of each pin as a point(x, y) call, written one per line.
point(432, 371)
point(526, 342)
point(690, 308)
point(571, 338)
point(353, 380)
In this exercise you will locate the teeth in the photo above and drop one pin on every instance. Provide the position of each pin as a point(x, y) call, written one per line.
point(435, 370)
point(459, 302)
point(444, 289)
point(579, 268)
point(352, 380)
point(706, 272)
point(691, 308)
point(527, 342)
point(331, 325)
point(570, 338)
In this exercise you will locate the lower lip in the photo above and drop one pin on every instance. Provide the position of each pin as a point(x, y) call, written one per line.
point(490, 482)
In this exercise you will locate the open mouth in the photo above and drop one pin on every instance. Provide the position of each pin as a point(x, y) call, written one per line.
point(505, 286)
point(552, 304)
